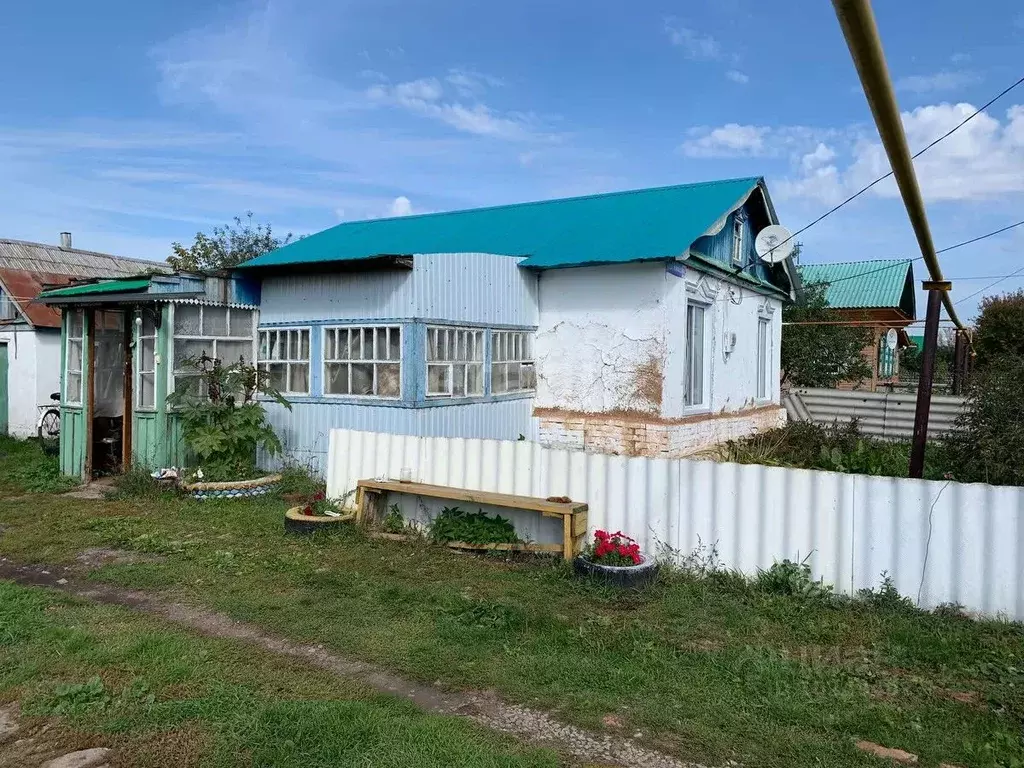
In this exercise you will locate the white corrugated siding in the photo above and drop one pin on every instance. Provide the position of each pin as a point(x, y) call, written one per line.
point(883, 414)
point(940, 542)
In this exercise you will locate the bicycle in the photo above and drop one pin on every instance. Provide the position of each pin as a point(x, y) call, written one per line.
point(48, 425)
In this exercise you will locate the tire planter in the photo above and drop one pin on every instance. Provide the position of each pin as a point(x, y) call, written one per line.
point(239, 489)
point(296, 522)
point(626, 577)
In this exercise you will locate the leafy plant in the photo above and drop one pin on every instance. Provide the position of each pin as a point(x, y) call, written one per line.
point(886, 597)
point(299, 479)
point(455, 524)
point(616, 549)
point(79, 697)
point(1000, 327)
point(223, 423)
point(395, 521)
point(791, 578)
point(319, 504)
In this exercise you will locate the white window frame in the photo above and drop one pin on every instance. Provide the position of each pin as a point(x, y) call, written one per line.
point(764, 356)
point(80, 372)
point(374, 361)
point(139, 357)
point(176, 372)
point(688, 389)
point(738, 239)
point(291, 359)
point(473, 341)
point(513, 349)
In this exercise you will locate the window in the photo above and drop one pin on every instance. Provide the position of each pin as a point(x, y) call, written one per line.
point(145, 385)
point(284, 355)
point(455, 362)
point(218, 332)
point(737, 238)
point(73, 364)
point(763, 331)
point(512, 368)
point(363, 361)
point(8, 309)
point(694, 375)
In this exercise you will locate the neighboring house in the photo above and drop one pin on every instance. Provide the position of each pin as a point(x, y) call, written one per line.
point(126, 342)
point(638, 323)
point(880, 294)
point(30, 345)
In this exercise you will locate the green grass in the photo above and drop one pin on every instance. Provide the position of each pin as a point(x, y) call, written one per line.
point(160, 697)
point(24, 468)
point(709, 669)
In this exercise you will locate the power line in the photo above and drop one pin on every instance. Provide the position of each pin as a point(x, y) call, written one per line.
point(991, 285)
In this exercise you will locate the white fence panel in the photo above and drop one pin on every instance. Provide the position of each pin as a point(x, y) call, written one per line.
point(881, 414)
point(938, 541)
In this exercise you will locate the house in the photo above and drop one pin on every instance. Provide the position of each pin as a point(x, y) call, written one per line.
point(125, 344)
point(635, 323)
point(30, 345)
point(880, 294)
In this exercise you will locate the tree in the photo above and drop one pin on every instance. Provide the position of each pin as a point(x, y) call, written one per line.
point(821, 355)
point(226, 247)
point(1000, 328)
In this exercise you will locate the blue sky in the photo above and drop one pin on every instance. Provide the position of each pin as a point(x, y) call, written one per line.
point(136, 124)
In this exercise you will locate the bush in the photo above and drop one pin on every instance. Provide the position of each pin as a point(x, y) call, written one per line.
point(1000, 329)
point(137, 483)
point(454, 524)
point(791, 578)
point(989, 441)
point(298, 479)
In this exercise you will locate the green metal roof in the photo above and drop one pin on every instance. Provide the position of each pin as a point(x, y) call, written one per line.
point(639, 225)
point(106, 286)
point(881, 284)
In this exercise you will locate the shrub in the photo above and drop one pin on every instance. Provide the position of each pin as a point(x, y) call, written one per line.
point(223, 424)
point(791, 578)
point(1000, 329)
point(887, 597)
point(300, 480)
point(395, 521)
point(136, 483)
point(454, 524)
point(989, 440)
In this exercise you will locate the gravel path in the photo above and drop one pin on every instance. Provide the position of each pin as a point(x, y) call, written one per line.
point(532, 726)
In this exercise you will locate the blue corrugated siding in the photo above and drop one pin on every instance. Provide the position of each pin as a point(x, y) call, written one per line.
point(466, 287)
point(719, 248)
point(305, 430)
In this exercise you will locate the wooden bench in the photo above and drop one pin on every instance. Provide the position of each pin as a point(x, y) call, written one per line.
point(370, 507)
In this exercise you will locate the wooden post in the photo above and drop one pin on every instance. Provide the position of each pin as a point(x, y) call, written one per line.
point(924, 387)
point(960, 363)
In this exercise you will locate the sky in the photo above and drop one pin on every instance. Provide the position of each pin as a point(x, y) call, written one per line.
point(134, 125)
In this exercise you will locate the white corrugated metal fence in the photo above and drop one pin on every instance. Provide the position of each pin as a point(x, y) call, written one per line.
point(882, 414)
point(939, 541)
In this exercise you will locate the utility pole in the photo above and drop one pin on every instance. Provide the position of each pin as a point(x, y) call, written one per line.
point(936, 290)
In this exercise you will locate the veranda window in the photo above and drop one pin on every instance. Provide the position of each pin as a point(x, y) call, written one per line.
point(512, 364)
point(455, 362)
point(145, 387)
point(363, 361)
point(221, 333)
point(73, 363)
point(284, 355)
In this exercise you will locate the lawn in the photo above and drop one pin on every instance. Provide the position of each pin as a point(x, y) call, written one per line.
point(707, 667)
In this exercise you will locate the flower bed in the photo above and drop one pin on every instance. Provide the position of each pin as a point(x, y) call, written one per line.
point(297, 521)
point(614, 559)
point(238, 489)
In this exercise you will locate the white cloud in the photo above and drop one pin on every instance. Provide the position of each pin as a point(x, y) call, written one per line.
point(937, 82)
point(470, 84)
point(730, 140)
point(695, 45)
point(821, 155)
point(400, 206)
point(737, 77)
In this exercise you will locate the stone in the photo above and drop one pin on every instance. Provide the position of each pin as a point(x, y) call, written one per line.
point(887, 753)
point(86, 758)
point(8, 722)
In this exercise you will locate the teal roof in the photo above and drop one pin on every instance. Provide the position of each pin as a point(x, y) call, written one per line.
point(129, 285)
point(881, 284)
point(619, 227)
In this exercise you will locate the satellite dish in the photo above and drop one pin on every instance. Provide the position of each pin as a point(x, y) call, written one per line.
point(774, 244)
point(891, 338)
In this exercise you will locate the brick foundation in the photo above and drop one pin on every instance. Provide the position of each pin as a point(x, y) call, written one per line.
point(639, 435)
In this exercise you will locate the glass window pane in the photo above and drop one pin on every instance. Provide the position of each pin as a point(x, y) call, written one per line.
point(528, 377)
point(241, 322)
point(74, 388)
point(438, 380)
point(499, 382)
point(77, 320)
point(381, 347)
point(431, 344)
point(186, 350)
point(330, 350)
point(148, 328)
point(147, 361)
point(395, 344)
point(336, 378)
point(215, 321)
point(349, 344)
point(186, 320)
point(475, 380)
point(230, 352)
point(298, 380)
point(513, 377)
point(147, 390)
point(368, 343)
point(303, 345)
point(389, 380)
point(277, 376)
point(458, 381)
point(362, 378)
point(74, 355)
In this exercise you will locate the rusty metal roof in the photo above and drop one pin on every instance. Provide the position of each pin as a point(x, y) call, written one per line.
point(25, 268)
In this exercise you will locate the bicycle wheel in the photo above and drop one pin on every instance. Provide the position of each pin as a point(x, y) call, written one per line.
point(49, 425)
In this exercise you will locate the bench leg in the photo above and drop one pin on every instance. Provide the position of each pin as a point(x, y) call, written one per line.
point(568, 541)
